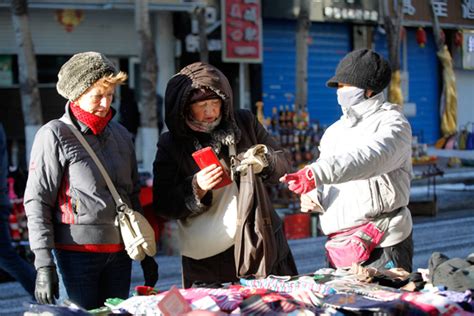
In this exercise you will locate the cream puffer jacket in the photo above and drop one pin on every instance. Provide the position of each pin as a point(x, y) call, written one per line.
point(364, 169)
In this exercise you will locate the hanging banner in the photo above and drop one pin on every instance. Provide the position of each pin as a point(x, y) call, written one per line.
point(241, 31)
point(468, 49)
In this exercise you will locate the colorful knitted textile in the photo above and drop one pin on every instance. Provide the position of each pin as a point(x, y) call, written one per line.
point(308, 297)
point(139, 305)
point(226, 299)
point(433, 304)
point(465, 299)
point(370, 290)
point(268, 304)
point(279, 285)
point(206, 303)
point(361, 305)
point(304, 295)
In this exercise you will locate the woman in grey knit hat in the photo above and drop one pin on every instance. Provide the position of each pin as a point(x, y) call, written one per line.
point(70, 209)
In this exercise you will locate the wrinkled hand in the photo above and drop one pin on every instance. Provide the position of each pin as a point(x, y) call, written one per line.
point(300, 182)
point(254, 156)
point(150, 271)
point(209, 177)
point(307, 204)
point(47, 285)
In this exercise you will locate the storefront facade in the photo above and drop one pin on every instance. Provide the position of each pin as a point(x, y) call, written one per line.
point(334, 33)
point(53, 45)
point(61, 29)
point(329, 43)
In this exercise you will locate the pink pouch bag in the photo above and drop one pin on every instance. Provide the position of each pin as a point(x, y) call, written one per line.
point(355, 245)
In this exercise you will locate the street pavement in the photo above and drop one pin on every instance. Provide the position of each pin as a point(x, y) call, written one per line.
point(449, 232)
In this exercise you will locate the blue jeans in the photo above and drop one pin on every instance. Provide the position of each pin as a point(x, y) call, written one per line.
point(90, 278)
point(10, 261)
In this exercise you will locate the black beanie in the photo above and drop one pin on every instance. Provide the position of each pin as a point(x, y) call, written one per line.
point(81, 71)
point(364, 69)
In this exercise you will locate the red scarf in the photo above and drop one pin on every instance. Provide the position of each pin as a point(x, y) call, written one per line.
point(94, 122)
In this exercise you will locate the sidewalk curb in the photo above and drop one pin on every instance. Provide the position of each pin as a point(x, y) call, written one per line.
point(454, 176)
point(451, 175)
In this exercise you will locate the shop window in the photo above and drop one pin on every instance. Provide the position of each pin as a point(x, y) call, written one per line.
point(8, 70)
point(47, 68)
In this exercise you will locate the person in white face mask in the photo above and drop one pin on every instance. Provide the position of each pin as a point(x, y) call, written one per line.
point(362, 178)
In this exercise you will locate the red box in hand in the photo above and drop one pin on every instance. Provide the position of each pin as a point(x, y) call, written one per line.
point(206, 157)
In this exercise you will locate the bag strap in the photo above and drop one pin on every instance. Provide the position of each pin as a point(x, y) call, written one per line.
point(233, 164)
point(118, 200)
point(382, 223)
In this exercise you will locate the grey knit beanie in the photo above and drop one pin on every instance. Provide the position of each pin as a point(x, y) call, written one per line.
point(362, 68)
point(81, 71)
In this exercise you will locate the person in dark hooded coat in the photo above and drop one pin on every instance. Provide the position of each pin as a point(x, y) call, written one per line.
point(199, 113)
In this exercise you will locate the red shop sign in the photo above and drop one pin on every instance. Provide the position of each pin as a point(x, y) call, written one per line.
point(242, 31)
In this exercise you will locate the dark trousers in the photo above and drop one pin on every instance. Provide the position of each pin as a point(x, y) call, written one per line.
point(10, 261)
point(91, 277)
point(221, 268)
point(212, 270)
point(396, 256)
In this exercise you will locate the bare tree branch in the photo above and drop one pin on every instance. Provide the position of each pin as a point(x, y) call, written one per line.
point(148, 66)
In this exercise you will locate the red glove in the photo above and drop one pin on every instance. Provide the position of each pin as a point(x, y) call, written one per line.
point(300, 182)
point(145, 290)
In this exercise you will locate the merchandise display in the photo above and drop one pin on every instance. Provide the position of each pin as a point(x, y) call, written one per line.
point(300, 137)
point(357, 291)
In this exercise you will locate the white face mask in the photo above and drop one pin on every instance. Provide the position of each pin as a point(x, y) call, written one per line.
point(349, 96)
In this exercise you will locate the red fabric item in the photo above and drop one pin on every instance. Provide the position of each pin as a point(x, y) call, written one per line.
point(145, 290)
point(146, 201)
point(94, 122)
point(64, 200)
point(108, 248)
point(300, 182)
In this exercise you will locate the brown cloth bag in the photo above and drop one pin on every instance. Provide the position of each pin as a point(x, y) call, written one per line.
point(261, 248)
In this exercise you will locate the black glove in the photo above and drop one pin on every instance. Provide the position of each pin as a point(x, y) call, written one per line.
point(47, 285)
point(150, 271)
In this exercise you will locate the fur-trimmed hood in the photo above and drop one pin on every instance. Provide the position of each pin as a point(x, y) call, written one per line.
point(195, 76)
